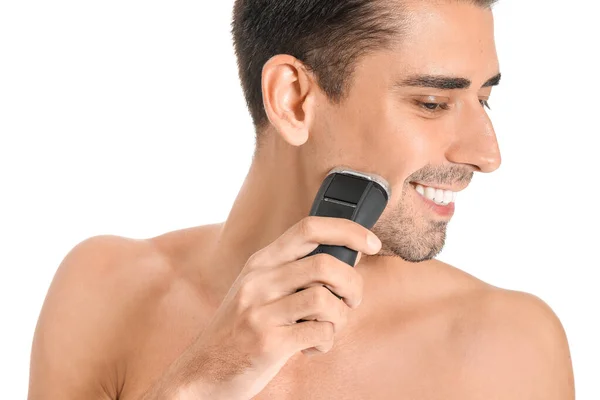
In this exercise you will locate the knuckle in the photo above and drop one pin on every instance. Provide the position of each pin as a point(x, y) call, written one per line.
point(253, 260)
point(319, 297)
point(327, 331)
point(307, 226)
point(246, 290)
point(252, 319)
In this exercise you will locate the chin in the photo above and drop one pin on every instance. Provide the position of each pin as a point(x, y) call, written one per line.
point(412, 245)
point(411, 256)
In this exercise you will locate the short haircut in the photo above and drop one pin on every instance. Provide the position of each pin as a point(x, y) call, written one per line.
point(327, 36)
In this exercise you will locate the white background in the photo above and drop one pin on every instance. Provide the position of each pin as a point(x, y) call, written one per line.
point(126, 117)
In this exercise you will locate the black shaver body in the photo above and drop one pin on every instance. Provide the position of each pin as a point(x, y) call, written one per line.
point(357, 196)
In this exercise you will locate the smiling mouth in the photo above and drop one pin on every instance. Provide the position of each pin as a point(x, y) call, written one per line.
point(441, 197)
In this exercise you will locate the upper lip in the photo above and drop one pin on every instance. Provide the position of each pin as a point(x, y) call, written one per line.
point(454, 188)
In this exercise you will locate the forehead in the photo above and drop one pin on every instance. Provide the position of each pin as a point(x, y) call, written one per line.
point(448, 37)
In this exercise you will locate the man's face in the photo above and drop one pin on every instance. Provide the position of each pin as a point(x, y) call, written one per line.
point(397, 125)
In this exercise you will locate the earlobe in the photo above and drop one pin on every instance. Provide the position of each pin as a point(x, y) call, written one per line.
point(288, 98)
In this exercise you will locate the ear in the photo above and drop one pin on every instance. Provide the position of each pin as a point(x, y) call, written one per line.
point(288, 91)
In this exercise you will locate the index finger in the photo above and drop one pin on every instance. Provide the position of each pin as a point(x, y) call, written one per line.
point(308, 233)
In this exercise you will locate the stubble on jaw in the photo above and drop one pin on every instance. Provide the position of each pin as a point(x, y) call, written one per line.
point(408, 235)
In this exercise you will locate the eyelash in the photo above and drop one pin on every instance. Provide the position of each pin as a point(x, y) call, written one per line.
point(444, 106)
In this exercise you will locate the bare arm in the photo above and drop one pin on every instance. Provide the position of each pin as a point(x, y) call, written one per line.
point(75, 350)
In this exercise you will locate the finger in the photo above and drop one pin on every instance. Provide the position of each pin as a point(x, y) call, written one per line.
point(306, 235)
point(317, 335)
point(315, 303)
point(317, 270)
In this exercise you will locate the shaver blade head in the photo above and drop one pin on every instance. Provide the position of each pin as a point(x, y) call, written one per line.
point(367, 175)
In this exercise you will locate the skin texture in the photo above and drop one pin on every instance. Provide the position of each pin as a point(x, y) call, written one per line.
point(119, 311)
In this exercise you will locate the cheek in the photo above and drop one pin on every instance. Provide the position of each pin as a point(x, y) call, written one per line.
point(354, 135)
point(409, 143)
point(422, 141)
point(379, 135)
point(371, 126)
point(374, 139)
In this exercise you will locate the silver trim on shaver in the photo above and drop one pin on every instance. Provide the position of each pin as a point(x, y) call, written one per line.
point(370, 176)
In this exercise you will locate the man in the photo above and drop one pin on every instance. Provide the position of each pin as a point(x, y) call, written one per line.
point(397, 88)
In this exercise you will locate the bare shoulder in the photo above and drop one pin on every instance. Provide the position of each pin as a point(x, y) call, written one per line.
point(514, 344)
point(79, 339)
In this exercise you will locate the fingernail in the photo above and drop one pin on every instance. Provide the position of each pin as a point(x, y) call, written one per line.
point(373, 241)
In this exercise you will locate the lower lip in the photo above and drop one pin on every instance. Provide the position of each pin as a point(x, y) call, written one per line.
point(444, 211)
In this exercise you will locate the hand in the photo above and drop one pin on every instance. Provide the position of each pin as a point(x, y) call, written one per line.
point(255, 330)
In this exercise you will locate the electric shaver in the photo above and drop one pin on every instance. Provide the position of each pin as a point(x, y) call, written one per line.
point(357, 196)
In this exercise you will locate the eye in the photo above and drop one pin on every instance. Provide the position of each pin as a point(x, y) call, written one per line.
point(433, 107)
point(484, 103)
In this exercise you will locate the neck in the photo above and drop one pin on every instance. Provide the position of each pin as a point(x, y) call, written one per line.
point(278, 192)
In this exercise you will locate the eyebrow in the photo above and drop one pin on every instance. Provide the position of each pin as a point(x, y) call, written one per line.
point(444, 82)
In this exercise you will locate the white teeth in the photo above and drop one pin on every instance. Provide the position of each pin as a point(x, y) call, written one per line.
point(448, 194)
point(438, 196)
point(430, 193)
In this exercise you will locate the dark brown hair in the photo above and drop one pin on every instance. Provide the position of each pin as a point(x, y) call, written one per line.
point(326, 35)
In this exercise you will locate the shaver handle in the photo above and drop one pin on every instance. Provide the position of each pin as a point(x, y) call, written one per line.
point(352, 197)
point(342, 253)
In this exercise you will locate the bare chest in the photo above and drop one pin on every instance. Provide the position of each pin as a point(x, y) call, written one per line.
point(375, 370)
point(407, 359)
point(371, 367)
point(382, 372)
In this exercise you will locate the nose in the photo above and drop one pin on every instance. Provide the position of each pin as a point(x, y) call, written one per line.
point(475, 140)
